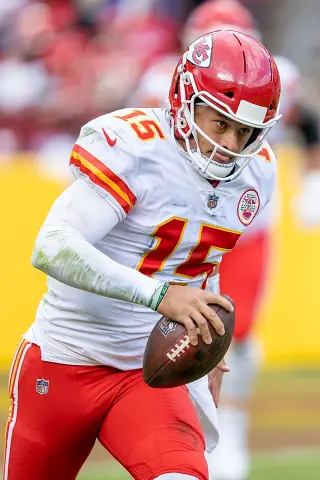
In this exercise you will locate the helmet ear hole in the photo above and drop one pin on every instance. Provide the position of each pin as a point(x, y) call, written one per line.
point(253, 137)
point(181, 122)
point(186, 79)
point(229, 94)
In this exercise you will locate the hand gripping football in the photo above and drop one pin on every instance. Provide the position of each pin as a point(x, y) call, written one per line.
point(169, 358)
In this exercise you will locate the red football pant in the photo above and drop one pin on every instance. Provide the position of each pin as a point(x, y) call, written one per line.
point(50, 435)
point(243, 274)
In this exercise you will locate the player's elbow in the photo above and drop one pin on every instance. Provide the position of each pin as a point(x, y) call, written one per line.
point(36, 259)
point(52, 247)
point(40, 258)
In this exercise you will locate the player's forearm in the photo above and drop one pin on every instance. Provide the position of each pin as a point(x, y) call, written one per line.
point(64, 254)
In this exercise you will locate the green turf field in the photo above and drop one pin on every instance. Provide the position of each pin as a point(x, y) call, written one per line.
point(293, 465)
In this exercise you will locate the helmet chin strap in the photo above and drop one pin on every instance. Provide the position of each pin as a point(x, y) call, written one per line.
point(217, 168)
point(200, 162)
point(207, 166)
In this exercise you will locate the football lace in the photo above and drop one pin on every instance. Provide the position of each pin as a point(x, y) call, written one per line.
point(179, 349)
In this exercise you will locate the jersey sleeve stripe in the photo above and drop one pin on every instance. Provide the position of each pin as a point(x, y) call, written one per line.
point(101, 175)
point(107, 175)
point(95, 179)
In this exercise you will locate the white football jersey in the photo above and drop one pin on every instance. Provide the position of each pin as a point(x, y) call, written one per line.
point(174, 226)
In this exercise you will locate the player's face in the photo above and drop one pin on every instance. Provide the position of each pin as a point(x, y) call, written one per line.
point(224, 131)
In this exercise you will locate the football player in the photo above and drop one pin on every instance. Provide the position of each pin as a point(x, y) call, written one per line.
point(245, 285)
point(159, 196)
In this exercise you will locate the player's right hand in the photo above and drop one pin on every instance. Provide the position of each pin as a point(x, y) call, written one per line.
point(215, 380)
point(189, 306)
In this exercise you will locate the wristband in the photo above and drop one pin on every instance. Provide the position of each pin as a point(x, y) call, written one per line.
point(158, 296)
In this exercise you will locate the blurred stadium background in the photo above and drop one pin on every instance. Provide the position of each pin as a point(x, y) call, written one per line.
point(63, 62)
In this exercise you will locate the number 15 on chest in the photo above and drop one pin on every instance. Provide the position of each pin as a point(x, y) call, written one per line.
point(169, 235)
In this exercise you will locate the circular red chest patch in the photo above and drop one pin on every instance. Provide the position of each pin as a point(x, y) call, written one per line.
point(248, 206)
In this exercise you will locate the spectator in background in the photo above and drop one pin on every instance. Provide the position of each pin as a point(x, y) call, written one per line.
point(58, 69)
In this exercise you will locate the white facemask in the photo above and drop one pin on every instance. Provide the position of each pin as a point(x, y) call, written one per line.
point(207, 166)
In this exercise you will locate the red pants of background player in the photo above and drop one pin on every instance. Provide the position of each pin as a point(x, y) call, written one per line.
point(243, 275)
point(50, 435)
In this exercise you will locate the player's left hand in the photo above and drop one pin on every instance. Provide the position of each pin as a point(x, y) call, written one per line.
point(215, 380)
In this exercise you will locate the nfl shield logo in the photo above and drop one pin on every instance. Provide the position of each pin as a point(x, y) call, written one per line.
point(166, 326)
point(212, 201)
point(42, 386)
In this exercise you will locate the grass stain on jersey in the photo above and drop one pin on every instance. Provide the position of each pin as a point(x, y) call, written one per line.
point(86, 131)
point(76, 270)
point(40, 259)
point(67, 266)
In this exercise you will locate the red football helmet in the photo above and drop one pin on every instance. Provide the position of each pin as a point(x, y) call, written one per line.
point(217, 15)
point(234, 74)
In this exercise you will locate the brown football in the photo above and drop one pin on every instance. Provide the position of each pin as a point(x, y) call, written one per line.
point(169, 358)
